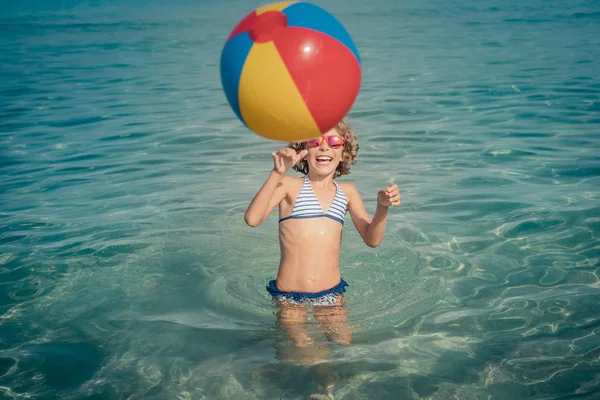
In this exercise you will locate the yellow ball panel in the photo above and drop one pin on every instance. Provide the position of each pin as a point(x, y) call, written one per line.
point(279, 6)
point(269, 101)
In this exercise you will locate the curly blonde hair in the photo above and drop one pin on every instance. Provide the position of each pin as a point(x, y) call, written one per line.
point(349, 152)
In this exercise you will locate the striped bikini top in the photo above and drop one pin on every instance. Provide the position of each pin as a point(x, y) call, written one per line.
point(307, 205)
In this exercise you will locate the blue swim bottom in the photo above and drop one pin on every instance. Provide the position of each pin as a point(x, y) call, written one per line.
point(327, 297)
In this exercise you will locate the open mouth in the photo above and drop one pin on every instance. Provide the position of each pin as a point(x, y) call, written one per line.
point(324, 160)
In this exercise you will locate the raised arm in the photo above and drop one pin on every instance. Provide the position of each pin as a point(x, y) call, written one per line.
point(371, 230)
point(275, 188)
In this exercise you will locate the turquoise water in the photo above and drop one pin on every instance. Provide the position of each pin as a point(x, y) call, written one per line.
point(126, 269)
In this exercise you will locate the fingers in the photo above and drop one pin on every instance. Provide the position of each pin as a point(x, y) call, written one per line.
point(276, 160)
point(395, 201)
point(281, 152)
point(392, 191)
point(286, 157)
point(392, 195)
point(300, 156)
point(288, 152)
point(277, 156)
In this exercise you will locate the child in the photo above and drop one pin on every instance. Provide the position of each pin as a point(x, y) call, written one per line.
point(311, 218)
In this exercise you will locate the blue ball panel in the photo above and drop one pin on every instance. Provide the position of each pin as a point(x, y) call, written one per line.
point(233, 59)
point(307, 15)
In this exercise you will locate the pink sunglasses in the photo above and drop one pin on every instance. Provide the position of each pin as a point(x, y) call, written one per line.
point(335, 142)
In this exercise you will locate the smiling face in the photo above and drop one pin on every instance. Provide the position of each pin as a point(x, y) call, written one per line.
point(347, 154)
point(323, 159)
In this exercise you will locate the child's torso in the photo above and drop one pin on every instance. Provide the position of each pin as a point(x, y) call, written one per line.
point(310, 239)
point(307, 204)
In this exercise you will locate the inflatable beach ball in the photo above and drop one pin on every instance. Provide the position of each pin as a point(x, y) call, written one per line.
point(290, 71)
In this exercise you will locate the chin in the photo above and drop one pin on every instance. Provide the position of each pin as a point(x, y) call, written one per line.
point(324, 171)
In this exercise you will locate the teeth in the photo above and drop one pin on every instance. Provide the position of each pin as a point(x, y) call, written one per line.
point(324, 158)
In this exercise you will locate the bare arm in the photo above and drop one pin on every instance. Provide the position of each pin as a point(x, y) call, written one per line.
point(275, 188)
point(371, 230)
point(272, 192)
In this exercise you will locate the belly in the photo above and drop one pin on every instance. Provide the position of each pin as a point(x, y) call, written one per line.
point(310, 250)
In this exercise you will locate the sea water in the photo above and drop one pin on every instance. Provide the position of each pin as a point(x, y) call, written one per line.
point(127, 271)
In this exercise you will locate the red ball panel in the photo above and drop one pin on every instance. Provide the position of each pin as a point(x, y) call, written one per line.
point(326, 72)
point(267, 26)
point(245, 24)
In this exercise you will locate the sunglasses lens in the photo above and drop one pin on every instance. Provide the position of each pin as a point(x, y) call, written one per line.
point(313, 142)
point(335, 141)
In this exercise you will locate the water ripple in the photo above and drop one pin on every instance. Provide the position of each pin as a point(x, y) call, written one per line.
point(126, 266)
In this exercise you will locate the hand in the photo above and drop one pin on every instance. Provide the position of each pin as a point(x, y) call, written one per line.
point(389, 196)
point(286, 158)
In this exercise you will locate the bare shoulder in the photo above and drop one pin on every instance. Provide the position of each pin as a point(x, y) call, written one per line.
point(350, 192)
point(291, 186)
point(291, 182)
point(349, 189)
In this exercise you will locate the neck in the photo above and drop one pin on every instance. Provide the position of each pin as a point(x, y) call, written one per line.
point(321, 180)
